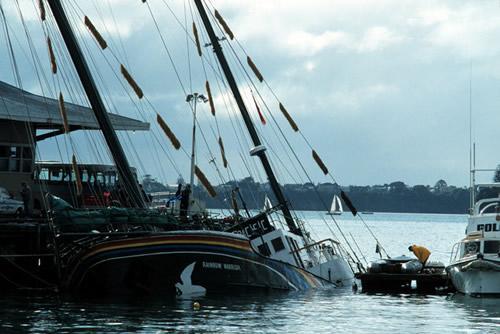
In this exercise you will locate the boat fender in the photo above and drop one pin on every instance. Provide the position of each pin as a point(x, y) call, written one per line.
point(411, 267)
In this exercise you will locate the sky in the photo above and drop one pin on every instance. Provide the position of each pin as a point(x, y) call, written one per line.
point(381, 89)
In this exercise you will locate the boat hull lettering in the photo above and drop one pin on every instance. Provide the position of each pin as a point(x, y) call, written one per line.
point(488, 227)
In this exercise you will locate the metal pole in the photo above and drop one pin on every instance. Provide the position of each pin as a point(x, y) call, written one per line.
point(125, 173)
point(259, 149)
point(193, 148)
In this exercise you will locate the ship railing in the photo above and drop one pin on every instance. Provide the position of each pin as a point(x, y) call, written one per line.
point(483, 205)
point(325, 249)
point(336, 249)
point(454, 252)
point(318, 244)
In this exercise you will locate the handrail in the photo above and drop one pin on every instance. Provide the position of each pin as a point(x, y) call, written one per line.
point(454, 251)
point(483, 201)
point(335, 242)
point(488, 206)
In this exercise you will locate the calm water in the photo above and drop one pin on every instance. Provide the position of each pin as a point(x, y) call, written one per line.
point(324, 311)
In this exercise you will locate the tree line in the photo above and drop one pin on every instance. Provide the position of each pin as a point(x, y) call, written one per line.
point(392, 197)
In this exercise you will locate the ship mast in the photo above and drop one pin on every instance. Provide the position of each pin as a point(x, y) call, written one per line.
point(259, 149)
point(125, 173)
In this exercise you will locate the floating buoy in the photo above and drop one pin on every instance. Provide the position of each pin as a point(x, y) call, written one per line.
point(196, 306)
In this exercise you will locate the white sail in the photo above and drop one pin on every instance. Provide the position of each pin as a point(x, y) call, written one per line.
point(267, 204)
point(336, 205)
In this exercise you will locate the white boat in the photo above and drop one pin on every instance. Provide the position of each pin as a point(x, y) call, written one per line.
point(475, 260)
point(336, 208)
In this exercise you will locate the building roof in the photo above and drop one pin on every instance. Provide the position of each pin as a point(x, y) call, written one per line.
point(19, 105)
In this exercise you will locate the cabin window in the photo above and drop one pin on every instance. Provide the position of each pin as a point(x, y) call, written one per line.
point(56, 175)
point(43, 174)
point(471, 247)
point(264, 249)
point(27, 161)
point(277, 244)
point(492, 247)
point(15, 152)
point(84, 175)
point(15, 159)
point(100, 177)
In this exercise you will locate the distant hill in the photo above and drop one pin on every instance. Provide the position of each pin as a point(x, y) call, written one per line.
point(393, 197)
point(151, 185)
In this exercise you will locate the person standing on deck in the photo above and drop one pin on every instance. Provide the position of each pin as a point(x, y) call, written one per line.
point(26, 197)
point(421, 253)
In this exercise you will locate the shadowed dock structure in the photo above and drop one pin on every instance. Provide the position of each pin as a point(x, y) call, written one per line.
point(426, 283)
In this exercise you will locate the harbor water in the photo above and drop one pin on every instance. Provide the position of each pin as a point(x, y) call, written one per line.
point(320, 311)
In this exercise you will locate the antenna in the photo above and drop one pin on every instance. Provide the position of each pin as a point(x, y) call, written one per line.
point(470, 117)
point(472, 146)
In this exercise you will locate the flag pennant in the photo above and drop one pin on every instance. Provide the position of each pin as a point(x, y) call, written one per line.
point(262, 119)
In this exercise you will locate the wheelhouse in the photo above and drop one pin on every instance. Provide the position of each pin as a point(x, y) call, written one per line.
point(99, 182)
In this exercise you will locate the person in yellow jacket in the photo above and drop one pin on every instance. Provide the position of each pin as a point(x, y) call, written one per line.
point(421, 253)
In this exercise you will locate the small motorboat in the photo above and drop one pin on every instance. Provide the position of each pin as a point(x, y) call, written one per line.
point(397, 274)
point(475, 260)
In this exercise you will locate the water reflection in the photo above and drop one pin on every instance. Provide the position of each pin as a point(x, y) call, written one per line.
point(482, 313)
point(321, 311)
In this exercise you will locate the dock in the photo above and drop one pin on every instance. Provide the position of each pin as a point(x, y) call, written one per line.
point(425, 283)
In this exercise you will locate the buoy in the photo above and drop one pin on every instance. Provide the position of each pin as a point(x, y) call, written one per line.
point(196, 306)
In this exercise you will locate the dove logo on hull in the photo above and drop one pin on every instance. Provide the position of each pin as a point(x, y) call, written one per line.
point(186, 289)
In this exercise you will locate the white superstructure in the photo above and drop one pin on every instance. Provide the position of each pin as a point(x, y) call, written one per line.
point(324, 258)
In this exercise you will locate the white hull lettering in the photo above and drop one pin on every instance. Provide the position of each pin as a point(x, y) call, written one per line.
point(224, 266)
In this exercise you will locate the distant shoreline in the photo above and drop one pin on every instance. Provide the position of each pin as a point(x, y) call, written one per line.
point(395, 197)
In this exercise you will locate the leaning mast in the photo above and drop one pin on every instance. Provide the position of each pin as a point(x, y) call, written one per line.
point(259, 149)
point(119, 157)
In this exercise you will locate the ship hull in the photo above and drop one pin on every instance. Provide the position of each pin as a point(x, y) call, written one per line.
point(475, 278)
point(184, 265)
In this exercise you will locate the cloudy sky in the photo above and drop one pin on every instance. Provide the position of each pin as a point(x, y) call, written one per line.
point(380, 88)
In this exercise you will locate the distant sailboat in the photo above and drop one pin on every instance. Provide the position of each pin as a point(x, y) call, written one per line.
point(267, 204)
point(336, 208)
